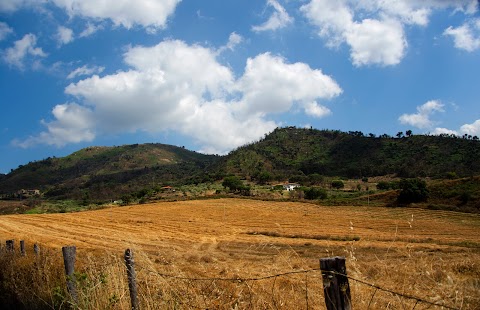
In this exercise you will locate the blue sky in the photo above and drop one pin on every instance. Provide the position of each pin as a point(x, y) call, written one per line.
point(213, 75)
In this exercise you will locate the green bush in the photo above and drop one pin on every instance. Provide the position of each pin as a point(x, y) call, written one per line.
point(451, 175)
point(413, 190)
point(298, 179)
point(312, 193)
point(263, 177)
point(337, 184)
point(383, 185)
point(315, 178)
point(235, 184)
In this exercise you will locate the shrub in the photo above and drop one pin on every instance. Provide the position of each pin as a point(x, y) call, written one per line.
point(383, 185)
point(337, 184)
point(233, 183)
point(412, 190)
point(451, 175)
point(315, 178)
point(263, 177)
point(465, 197)
point(312, 193)
point(298, 179)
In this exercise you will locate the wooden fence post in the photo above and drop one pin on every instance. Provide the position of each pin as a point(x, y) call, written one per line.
point(132, 278)
point(335, 283)
point(22, 248)
point(69, 254)
point(36, 249)
point(10, 245)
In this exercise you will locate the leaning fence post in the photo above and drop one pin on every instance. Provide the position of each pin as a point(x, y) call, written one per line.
point(132, 281)
point(10, 245)
point(335, 283)
point(36, 249)
point(69, 253)
point(22, 248)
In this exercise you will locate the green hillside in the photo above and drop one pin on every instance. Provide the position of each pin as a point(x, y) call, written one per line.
point(298, 155)
point(288, 152)
point(104, 172)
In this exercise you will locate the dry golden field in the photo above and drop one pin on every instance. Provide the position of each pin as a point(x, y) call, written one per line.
point(187, 251)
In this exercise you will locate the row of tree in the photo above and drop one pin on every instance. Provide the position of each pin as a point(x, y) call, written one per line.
point(411, 190)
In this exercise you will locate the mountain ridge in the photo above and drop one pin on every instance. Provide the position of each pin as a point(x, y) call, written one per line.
point(287, 153)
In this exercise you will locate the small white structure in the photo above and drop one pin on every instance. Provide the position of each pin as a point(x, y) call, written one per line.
point(290, 186)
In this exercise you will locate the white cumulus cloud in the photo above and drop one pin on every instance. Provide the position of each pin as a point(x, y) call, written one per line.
point(374, 29)
point(21, 49)
point(4, 31)
point(316, 110)
point(471, 129)
point(146, 13)
point(376, 42)
point(85, 70)
point(177, 87)
point(441, 130)
point(421, 119)
point(467, 36)
point(12, 5)
point(151, 14)
point(89, 30)
point(271, 85)
point(64, 35)
point(233, 40)
point(73, 123)
point(279, 18)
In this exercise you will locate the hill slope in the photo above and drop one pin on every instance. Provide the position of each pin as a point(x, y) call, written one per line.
point(292, 151)
point(103, 172)
point(109, 172)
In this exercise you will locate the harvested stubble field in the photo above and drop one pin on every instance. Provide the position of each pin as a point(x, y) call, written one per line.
point(187, 251)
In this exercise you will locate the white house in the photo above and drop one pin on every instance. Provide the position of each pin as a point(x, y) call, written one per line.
point(290, 186)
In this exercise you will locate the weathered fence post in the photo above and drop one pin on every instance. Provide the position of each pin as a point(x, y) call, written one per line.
point(36, 249)
point(22, 248)
point(10, 245)
point(132, 278)
point(69, 253)
point(335, 283)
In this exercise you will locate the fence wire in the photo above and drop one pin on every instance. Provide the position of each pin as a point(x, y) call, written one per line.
point(245, 281)
point(307, 271)
point(235, 279)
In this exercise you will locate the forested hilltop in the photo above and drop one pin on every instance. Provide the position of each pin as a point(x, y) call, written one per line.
point(293, 151)
point(289, 153)
point(107, 172)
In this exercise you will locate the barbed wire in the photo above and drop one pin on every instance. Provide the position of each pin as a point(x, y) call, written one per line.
point(234, 279)
point(275, 276)
point(306, 271)
point(406, 296)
